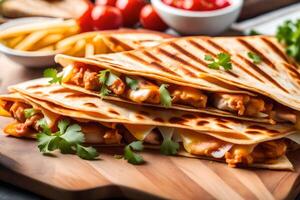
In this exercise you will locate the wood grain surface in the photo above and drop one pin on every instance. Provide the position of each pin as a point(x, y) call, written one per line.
point(68, 177)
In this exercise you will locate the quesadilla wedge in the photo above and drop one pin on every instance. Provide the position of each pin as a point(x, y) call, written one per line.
point(187, 74)
point(236, 142)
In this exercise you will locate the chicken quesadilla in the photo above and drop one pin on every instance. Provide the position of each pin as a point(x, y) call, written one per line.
point(248, 78)
point(235, 142)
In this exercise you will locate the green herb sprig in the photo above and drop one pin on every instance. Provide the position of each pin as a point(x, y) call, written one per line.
point(67, 139)
point(132, 157)
point(223, 60)
point(29, 112)
point(132, 83)
point(256, 59)
point(106, 78)
point(289, 35)
point(53, 74)
point(168, 146)
point(165, 97)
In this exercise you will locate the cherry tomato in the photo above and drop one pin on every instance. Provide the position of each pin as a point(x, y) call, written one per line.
point(151, 20)
point(106, 17)
point(130, 10)
point(85, 21)
point(106, 2)
point(191, 5)
point(174, 3)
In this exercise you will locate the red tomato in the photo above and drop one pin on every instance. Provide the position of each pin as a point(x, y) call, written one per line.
point(191, 5)
point(174, 3)
point(106, 2)
point(151, 20)
point(130, 10)
point(106, 17)
point(85, 21)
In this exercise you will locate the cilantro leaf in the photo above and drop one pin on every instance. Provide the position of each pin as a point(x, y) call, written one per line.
point(223, 60)
point(68, 140)
point(255, 58)
point(289, 35)
point(168, 146)
point(52, 73)
point(106, 78)
point(132, 157)
point(46, 143)
point(29, 112)
point(165, 97)
point(73, 134)
point(87, 153)
point(132, 83)
point(254, 32)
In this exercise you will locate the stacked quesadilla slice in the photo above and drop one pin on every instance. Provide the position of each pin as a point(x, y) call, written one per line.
point(238, 143)
point(199, 74)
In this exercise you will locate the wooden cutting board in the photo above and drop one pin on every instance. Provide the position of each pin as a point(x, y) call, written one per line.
point(68, 177)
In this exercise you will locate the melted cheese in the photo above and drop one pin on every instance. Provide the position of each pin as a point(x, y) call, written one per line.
point(3, 112)
point(50, 117)
point(67, 73)
point(139, 131)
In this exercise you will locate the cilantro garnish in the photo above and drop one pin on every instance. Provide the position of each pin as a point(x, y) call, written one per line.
point(132, 157)
point(52, 73)
point(289, 34)
point(168, 146)
point(67, 139)
point(132, 83)
point(255, 58)
point(223, 60)
point(254, 32)
point(165, 97)
point(29, 112)
point(106, 78)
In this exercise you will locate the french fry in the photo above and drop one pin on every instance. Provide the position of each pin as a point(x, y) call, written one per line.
point(30, 40)
point(46, 49)
point(73, 39)
point(56, 26)
point(48, 40)
point(78, 49)
point(89, 50)
point(100, 46)
point(14, 41)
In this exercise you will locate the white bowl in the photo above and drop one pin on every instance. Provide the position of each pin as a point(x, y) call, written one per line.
point(28, 59)
point(198, 22)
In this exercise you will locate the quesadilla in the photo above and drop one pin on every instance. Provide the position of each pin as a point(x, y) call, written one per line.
point(187, 74)
point(237, 143)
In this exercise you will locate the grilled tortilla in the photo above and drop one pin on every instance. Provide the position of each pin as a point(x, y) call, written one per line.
point(264, 92)
point(100, 129)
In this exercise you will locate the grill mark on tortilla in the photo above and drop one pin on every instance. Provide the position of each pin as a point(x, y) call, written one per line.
point(202, 48)
point(36, 86)
point(146, 53)
point(144, 113)
point(140, 117)
point(113, 111)
point(253, 132)
point(120, 43)
point(275, 48)
point(189, 116)
point(177, 120)
point(256, 51)
point(154, 63)
point(158, 119)
point(202, 122)
point(223, 126)
point(161, 67)
point(181, 61)
point(61, 90)
point(293, 72)
point(258, 127)
point(188, 54)
point(256, 68)
point(38, 92)
point(92, 105)
point(78, 95)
